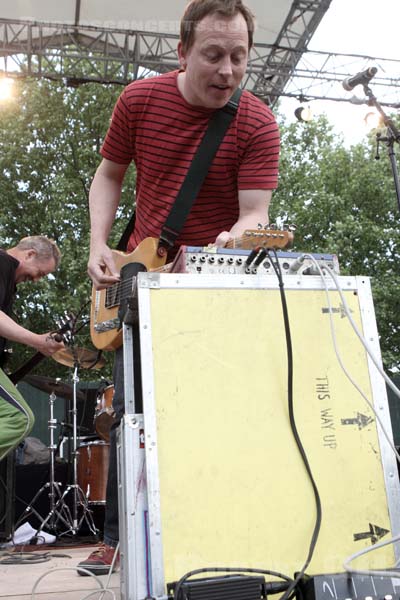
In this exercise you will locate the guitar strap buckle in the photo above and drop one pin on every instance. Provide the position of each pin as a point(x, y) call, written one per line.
point(166, 241)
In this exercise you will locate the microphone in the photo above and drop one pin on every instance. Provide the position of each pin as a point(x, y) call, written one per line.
point(363, 77)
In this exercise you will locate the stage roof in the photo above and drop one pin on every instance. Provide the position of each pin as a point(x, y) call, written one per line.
point(127, 39)
point(157, 16)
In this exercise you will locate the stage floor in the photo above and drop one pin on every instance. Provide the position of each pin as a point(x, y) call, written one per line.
point(17, 581)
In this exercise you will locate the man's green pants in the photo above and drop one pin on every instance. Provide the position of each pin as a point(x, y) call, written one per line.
point(16, 418)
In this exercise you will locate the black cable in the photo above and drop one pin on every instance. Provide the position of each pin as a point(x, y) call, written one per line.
point(317, 527)
point(21, 558)
point(4, 517)
point(182, 580)
point(8, 508)
point(292, 583)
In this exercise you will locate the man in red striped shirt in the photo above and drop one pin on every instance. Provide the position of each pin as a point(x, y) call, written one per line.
point(158, 123)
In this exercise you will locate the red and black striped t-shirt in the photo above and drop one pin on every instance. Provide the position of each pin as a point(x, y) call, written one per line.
point(153, 125)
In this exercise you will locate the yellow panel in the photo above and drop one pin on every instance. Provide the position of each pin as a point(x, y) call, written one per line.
point(234, 490)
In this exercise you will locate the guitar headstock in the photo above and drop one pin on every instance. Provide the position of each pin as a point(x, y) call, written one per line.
point(267, 238)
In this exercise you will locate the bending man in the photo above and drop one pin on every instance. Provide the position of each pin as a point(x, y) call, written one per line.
point(30, 260)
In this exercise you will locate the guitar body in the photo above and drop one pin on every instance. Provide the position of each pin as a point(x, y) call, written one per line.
point(104, 322)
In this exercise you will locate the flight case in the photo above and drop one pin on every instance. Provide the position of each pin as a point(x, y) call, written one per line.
point(210, 474)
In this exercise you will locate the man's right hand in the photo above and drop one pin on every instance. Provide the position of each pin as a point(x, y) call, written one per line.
point(46, 344)
point(102, 269)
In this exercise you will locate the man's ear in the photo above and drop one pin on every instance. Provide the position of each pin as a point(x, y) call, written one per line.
point(181, 57)
point(30, 254)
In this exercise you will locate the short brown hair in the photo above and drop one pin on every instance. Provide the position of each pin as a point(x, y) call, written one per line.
point(44, 246)
point(198, 9)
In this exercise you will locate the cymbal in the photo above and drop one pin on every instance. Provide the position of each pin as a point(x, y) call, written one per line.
point(87, 359)
point(46, 384)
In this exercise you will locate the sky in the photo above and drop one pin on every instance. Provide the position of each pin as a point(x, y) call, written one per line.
point(362, 27)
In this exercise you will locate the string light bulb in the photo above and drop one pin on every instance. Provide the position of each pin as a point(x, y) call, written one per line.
point(303, 114)
point(373, 120)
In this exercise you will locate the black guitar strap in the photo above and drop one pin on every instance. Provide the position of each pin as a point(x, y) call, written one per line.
point(195, 176)
point(197, 172)
point(124, 239)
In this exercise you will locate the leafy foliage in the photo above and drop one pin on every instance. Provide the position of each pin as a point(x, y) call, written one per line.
point(342, 201)
point(50, 137)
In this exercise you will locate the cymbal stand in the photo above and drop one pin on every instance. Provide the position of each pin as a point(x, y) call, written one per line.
point(59, 511)
point(79, 499)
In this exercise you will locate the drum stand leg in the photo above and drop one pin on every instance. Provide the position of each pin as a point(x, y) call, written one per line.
point(60, 514)
point(59, 511)
point(78, 497)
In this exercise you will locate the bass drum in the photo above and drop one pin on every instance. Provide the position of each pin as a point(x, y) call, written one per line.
point(104, 415)
point(93, 459)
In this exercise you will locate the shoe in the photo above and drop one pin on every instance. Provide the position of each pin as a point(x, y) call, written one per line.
point(99, 562)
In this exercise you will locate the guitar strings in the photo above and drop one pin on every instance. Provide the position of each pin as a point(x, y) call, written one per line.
point(121, 290)
point(118, 292)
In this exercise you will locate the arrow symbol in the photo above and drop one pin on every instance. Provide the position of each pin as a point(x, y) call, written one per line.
point(360, 420)
point(375, 533)
point(339, 311)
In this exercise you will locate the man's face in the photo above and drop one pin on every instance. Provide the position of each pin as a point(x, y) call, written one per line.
point(32, 268)
point(216, 62)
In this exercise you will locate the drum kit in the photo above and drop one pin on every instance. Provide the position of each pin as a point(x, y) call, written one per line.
point(71, 508)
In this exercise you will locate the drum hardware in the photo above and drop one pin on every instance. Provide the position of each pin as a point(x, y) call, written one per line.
point(87, 359)
point(46, 384)
point(93, 459)
point(79, 500)
point(60, 513)
point(104, 415)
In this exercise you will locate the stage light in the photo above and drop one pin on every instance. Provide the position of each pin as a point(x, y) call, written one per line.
point(6, 86)
point(303, 114)
point(373, 120)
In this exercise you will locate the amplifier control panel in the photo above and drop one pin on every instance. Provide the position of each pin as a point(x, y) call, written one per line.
point(210, 260)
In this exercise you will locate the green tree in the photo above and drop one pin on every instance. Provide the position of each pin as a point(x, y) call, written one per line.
point(343, 202)
point(50, 137)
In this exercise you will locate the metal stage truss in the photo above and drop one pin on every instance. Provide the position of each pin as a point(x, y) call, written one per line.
point(79, 53)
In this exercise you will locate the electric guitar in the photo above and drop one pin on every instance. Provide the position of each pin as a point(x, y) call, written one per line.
point(105, 328)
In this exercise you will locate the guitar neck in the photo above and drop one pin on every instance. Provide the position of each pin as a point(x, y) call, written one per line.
point(234, 243)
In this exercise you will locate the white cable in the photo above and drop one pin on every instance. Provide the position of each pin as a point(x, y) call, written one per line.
point(383, 573)
point(361, 338)
point(102, 589)
point(348, 560)
point(363, 342)
point(102, 592)
point(110, 572)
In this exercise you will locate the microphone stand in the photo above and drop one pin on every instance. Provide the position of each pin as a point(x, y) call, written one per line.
point(392, 135)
